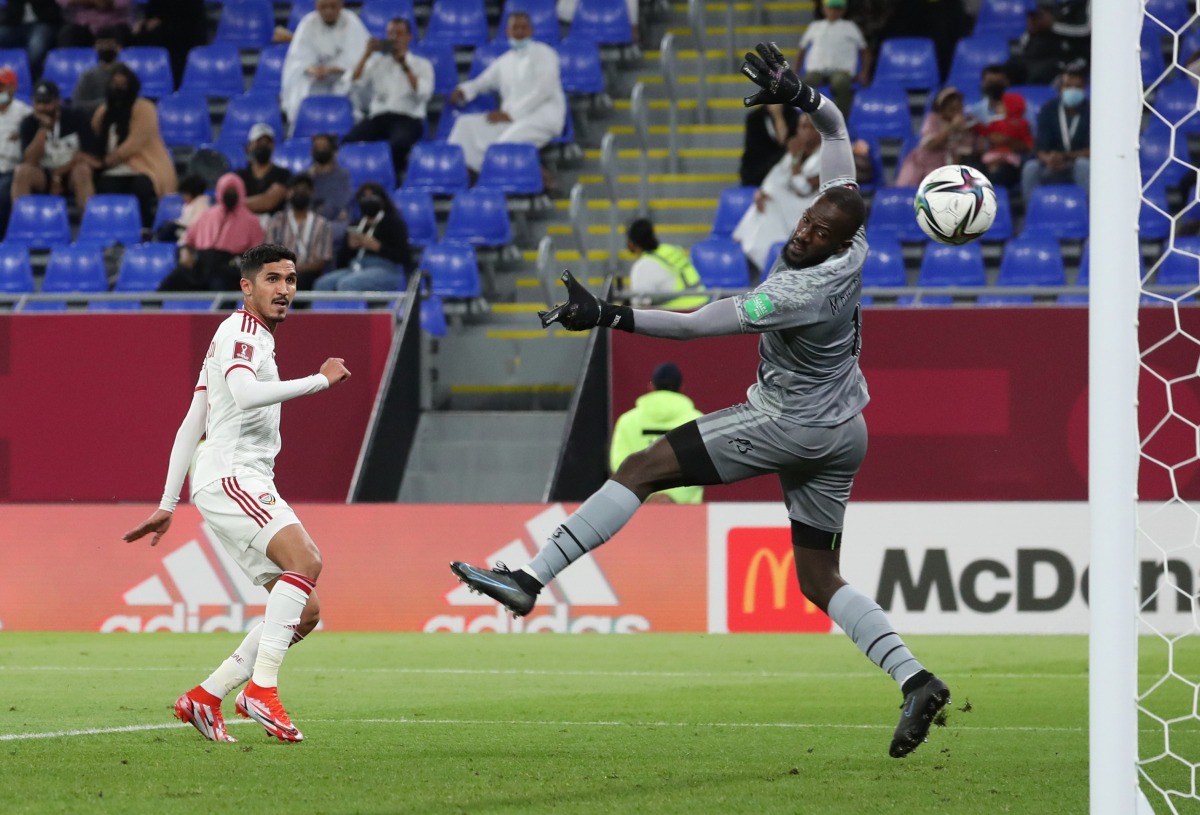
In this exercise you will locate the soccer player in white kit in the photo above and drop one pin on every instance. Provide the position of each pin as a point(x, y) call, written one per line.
point(236, 405)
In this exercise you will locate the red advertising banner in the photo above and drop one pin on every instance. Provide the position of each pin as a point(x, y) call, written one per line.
point(762, 592)
point(89, 404)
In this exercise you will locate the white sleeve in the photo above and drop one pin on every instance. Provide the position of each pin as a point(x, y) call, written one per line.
point(248, 393)
point(186, 439)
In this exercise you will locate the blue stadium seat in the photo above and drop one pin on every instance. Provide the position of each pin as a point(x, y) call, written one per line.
point(876, 158)
point(885, 263)
point(445, 70)
point(214, 70)
point(1154, 220)
point(246, 24)
point(440, 169)
point(1179, 269)
point(75, 269)
point(1173, 14)
point(1004, 300)
point(450, 113)
point(110, 219)
point(144, 265)
point(880, 112)
point(247, 110)
point(892, 212)
point(1175, 101)
point(579, 67)
point(1035, 97)
point(721, 263)
point(1005, 18)
point(183, 120)
point(605, 22)
point(542, 14)
point(926, 300)
point(513, 169)
point(64, 66)
point(567, 136)
point(295, 155)
point(479, 218)
point(731, 206)
point(18, 60)
point(1153, 65)
point(433, 316)
point(485, 55)
point(453, 270)
point(39, 221)
point(952, 266)
point(368, 161)
point(773, 253)
point(187, 305)
point(376, 14)
point(268, 74)
point(1060, 210)
point(1001, 228)
point(457, 22)
point(113, 305)
point(1032, 260)
point(296, 13)
point(152, 65)
point(910, 62)
point(233, 152)
point(324, 114)
point(170, 207)
point(972, 55)
point(1160, 160)
point(416, 208)
point(16, 272)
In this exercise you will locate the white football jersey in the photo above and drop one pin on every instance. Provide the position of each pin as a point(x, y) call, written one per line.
point(239, 442)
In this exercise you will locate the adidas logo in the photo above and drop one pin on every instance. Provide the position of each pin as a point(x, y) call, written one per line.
point(198, 575)
point(584, 584)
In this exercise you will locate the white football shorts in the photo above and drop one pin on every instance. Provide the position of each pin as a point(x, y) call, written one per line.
point(245, 513)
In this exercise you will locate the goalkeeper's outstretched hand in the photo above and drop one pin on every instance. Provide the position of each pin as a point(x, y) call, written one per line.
point(583, 310)
point(769, 70)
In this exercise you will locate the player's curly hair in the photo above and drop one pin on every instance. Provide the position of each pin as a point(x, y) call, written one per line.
point(254, 258)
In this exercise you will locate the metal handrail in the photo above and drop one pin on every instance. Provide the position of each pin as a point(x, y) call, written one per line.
point(641, 127)
point(697, 22)
point(608, 163)
point(578, 213)
point(547, 272)
point(670, 67)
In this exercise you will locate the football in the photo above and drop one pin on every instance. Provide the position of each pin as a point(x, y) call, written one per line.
point(955, 204)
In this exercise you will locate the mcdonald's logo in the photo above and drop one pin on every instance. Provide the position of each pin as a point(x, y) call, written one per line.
point(762, 593)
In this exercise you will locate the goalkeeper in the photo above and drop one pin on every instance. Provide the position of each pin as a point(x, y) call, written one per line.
point(802, 418)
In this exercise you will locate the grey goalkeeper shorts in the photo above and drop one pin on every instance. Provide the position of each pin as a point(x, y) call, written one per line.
point(816, 465)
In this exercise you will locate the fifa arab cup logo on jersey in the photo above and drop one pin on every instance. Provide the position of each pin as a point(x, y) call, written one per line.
point(243, 351)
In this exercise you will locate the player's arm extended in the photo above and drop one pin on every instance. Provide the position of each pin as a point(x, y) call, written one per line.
point(837, 154)
point(186, 439)
point(248, 393)
point(717, 319)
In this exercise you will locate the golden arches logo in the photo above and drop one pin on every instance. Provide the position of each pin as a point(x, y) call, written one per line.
point(779, 569)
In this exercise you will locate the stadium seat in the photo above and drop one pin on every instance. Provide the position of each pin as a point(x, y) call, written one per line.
point(233, 151)
point(1004, 300)
point(1004, 18)
point(110, 219)
point(433, 316)
point(453, 270)
point(1153, 65)
point(75, 269)
point(542, 14)
point(731, 206)
point(925, 300)
point(170, 207)
point(1172, 14)
point(952, 266)
point(445, 69)
point(324, 114)
point(144, 265)
point(513, 169)
point(18, 60)
point(368, 161)
point(909, 62)
point(16, 272)
point(245, 111)
point(1001, 228)
point(876, 157)
point(457, 22)
point(1035, 97)
point(214, 70)
point(376, 14)
point(604, 22)
point(152, 65)
point(440, 169)
point(64, 66)
point(295, 155)
point(1164, 155)
point(107, 305)
point(972, 55)
point(479, 218)
point(485, 55)
point(39, 221)
point(892, 212)
point(268, 74)
point(773, 253)
point(296, 13)
point(187, 305)
point(721, 264)
point(416, 208)
point(1032, 260)
point(450, 113)
point(1060, 210)
point(183, 120)
point(340, 305)
point(579, 66)
point(248, 24)
point(1154, 220)
point(880, 112)
point(885, 263)
point(1178, 268)
point(1175, 101)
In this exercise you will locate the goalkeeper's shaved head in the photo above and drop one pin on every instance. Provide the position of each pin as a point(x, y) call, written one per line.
point(850, 202)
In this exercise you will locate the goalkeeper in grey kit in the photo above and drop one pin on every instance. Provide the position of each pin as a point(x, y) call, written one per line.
point(802, 418)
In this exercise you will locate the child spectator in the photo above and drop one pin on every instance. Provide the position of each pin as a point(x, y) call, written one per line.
point(1007, 141)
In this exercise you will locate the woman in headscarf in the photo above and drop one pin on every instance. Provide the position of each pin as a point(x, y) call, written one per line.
point(946, 138)
point(376, 255)
point(212, 245)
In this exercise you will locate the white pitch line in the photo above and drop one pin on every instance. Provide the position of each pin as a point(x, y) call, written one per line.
point(98, 731)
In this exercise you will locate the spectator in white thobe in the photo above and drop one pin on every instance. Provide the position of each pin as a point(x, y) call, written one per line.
point(532, 105)
point(323, 53)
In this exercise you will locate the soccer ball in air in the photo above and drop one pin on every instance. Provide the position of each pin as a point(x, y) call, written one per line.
point(955, 204)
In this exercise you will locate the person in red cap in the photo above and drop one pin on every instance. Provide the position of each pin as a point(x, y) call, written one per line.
point(12, 111)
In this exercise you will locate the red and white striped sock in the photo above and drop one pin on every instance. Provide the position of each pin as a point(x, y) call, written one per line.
point(284, 606)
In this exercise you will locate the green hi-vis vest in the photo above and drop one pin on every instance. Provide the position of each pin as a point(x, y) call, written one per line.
point(686, 277)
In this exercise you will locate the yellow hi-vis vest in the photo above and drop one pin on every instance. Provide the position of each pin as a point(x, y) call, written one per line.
point(686, 277)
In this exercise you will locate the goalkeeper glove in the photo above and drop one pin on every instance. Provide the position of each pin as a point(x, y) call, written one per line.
point(769, 70)
point(583, 310)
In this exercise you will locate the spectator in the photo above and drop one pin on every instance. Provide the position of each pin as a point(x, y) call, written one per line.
point(327, 43)
point(946, 138)
point(565, 11)
point(1073, 25)
point(400, 84)
point(833, 47)
point(333, 188)
point(376, 254)
point(993, 84)
point(136, 160)
point(532, 105)
point(1041, 52)
point(303, 231)
point(176, 25)
point(663, 408)
point(265, 182)
point(83, 20)
point(785, 194)
point(213, 244)
point(1006, 142)
point(660, 269)
point(768, 128)
point(194, 193)
point(12, 112)
point(58, 149)
point(32, 25)
point(1063, 137)
point(92, 86)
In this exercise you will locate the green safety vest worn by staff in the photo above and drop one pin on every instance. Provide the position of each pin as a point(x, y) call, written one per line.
point(677, 261)
point(656, 413)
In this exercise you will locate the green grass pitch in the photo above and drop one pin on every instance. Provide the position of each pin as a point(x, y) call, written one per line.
point(411, 723)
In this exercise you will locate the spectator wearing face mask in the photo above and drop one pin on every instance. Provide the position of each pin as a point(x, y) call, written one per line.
point(333, 189)
point(376, 255)
point(266, 183)
point(212, 245)
point(1064, 137)
point(303, 231)
point(92, 86)
point(993, 84)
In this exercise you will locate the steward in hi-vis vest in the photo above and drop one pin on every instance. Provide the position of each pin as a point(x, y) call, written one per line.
point(660, 269)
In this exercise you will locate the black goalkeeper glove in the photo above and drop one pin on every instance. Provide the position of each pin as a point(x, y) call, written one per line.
point(583, 310)
point(769, 70)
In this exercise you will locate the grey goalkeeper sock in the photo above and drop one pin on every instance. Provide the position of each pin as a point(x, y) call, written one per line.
point(600, 517)
point(864, 622)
